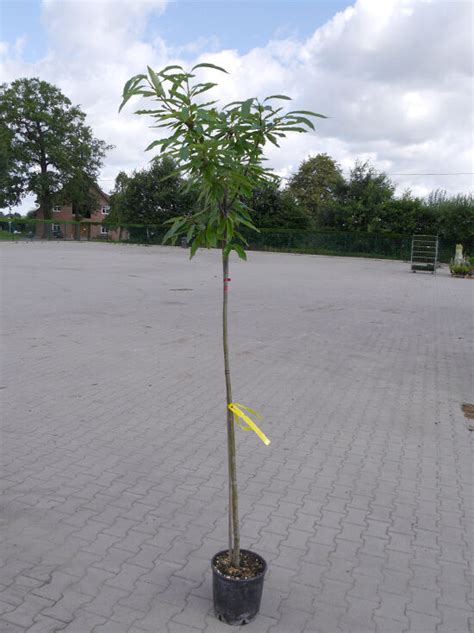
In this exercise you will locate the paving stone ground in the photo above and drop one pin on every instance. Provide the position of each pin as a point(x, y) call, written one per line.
point(114, 472)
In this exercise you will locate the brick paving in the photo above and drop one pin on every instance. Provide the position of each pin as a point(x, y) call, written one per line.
point(114, 474)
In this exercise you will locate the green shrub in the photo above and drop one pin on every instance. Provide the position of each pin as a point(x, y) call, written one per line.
point(460, 269)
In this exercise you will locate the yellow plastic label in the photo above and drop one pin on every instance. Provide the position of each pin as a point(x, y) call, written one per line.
point(245, 423)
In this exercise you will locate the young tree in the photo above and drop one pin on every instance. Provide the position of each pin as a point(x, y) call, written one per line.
point(49, 140)
point(220, 151)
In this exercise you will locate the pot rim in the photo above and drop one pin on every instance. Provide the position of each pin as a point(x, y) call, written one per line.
point(221, 575)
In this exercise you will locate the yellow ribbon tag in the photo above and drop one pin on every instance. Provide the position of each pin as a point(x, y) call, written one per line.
point(245, 423)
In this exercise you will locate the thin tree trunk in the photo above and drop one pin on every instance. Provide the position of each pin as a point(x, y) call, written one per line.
point(234, 532)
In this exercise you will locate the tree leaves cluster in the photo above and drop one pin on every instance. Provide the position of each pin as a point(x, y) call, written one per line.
point(46, 148)
point(317, 197)
point(152, 195)
point(366, 202)
point(218, 149)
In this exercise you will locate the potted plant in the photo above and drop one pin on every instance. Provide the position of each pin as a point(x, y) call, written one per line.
point(461, 265)
point(220, 152)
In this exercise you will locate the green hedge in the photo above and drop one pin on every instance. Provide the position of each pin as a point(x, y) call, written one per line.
point(384, 245)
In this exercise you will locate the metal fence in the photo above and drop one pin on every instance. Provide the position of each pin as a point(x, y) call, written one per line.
point(283, 240)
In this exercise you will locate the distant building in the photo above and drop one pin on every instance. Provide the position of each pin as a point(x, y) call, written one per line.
point(91, 227)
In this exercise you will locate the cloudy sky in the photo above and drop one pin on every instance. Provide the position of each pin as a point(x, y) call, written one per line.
point(394, 76)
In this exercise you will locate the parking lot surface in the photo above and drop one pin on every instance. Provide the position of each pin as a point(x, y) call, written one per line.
point(113, 440)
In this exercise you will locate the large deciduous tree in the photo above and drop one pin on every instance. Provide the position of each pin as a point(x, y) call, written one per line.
point(317, 186)
point(47, 141)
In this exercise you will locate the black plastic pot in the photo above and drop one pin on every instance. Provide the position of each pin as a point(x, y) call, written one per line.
point(236, 601)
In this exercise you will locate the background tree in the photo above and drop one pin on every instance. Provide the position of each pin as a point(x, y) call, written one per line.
point(454, 215)
point(50, 142)
point(317, 186)
point(118, 202)
point(153, 195)
point(220, 151)
point(406, 215)
point(366, 195)
point(273, 208)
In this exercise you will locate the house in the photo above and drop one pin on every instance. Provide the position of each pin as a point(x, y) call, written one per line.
point(91, 227)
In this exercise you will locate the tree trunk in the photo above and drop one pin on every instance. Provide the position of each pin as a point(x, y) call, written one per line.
point(46, 207)
point(44, 194)
point(234, 532)
point(77, 227)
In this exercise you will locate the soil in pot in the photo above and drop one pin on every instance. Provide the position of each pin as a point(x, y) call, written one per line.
point(237, 592)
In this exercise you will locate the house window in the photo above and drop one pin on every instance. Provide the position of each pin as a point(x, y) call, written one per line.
point(57, 208)
point(56, 228)
point(104, 230)
point(105, 210)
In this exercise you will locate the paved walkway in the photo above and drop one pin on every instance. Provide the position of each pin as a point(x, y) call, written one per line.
point(114, 441)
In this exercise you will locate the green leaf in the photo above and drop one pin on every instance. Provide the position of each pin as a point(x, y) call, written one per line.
point(290, 128)
point(190, 232)
point(272, 139)
point(152, 112)
point(250, 224)
point(174, 229)
point(239, 249)
point(169, 68)
point(229, 228)
point(211, 237)
point(127, 86)
point(132, 83)
point(155, 81)
point(131, 93)
point(206, 65)
point(308, 113)
point(242, 238)
point(155, 143)
point(301, 119)
point(246, 106)
point(124, 101)
point(194, 246)
point(277, 97)
point(198, 88)
point(232, 103)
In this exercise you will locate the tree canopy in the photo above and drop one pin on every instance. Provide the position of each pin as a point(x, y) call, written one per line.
point(151, 196)
point(366, 195)
point(317, 186)
point(46, 146)
point(272, 207)
point(218, 149)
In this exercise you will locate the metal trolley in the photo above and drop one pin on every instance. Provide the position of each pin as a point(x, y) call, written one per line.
point(424, 253)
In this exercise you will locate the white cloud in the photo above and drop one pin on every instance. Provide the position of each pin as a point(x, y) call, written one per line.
point(394, 77)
